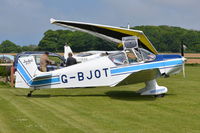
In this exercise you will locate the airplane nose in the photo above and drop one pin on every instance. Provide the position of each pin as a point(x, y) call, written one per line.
point(184, 59)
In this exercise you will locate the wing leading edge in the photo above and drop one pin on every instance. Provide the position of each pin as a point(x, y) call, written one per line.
point(114, 34)
point(140, 76)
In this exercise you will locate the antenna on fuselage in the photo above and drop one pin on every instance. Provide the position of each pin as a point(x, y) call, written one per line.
point(128, 27)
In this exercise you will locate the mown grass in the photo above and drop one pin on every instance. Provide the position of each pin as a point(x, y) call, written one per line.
point(104, 109)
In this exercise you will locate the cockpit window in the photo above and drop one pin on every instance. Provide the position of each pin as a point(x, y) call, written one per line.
point(133, 52)
point(118, 58)
point(148, 56)
point(84, 54)
point(131, 56)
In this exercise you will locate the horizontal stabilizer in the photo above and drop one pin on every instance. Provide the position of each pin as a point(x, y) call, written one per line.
point(39, 77)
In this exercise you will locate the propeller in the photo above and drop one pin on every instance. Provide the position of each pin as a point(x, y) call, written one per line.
point(183, 69)
point(183, 47)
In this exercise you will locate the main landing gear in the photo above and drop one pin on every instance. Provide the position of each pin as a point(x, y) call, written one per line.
point(159, 96)
point(152, 88)
point(30, 93)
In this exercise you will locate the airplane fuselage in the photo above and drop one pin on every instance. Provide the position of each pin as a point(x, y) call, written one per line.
point(102, 72)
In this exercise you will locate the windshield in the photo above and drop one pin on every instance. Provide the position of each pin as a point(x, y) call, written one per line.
point(132, 56)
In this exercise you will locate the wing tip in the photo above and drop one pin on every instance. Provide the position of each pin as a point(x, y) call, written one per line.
point(52, 20)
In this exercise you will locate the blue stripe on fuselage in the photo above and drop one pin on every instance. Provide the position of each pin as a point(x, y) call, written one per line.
point(165, 57)
point(46, 81)
point(146, 66)
point(26, 77)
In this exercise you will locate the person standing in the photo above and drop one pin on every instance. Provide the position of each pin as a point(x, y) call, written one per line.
point(71, 60)
point(44, 61)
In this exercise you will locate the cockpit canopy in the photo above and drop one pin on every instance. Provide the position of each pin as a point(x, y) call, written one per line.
point(132, 53)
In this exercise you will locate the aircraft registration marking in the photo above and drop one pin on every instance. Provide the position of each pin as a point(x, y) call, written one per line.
point(82, 76)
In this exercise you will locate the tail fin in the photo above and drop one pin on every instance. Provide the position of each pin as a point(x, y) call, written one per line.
point(26, 70)
point(67, 50)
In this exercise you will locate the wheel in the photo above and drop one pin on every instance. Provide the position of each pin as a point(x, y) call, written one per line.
point(29, 95)
point(160, 95)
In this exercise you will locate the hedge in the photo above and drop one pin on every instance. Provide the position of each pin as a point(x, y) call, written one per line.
point(4, 71)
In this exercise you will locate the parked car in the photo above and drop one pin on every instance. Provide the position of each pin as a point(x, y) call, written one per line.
point(58, 59)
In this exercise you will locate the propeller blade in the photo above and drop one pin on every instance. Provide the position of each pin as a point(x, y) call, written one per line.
point(182, 48)
point(183, 69)
point(183, 66)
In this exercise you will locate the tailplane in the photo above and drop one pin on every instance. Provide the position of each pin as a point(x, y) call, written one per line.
point(67, 50)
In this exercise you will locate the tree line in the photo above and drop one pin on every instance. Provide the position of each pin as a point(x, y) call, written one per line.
point(164, 39)
point(168, 38)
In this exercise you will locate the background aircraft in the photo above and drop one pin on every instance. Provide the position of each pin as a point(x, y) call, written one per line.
point(86, 55)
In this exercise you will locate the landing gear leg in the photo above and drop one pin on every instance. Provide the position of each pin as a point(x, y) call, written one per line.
point(30, 93)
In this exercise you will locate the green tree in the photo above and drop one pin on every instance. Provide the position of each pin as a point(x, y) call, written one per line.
point(54, 41)
point(168, 38)
point(49, 41)
point(29, 48)
point(9, 47)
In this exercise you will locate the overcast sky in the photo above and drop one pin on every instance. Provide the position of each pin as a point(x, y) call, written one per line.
point(24, 21)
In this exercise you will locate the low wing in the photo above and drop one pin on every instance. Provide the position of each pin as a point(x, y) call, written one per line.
point(140, 76)
point(114, 34)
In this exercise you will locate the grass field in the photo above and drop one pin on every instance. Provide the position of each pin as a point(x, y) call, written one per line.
point(104, 109)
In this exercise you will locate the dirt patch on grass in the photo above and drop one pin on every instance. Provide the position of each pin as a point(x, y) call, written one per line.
point(192, 55)
point(193, 61)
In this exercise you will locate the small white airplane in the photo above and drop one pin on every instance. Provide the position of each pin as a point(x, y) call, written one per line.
point(87, 55)
point(137, 62)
